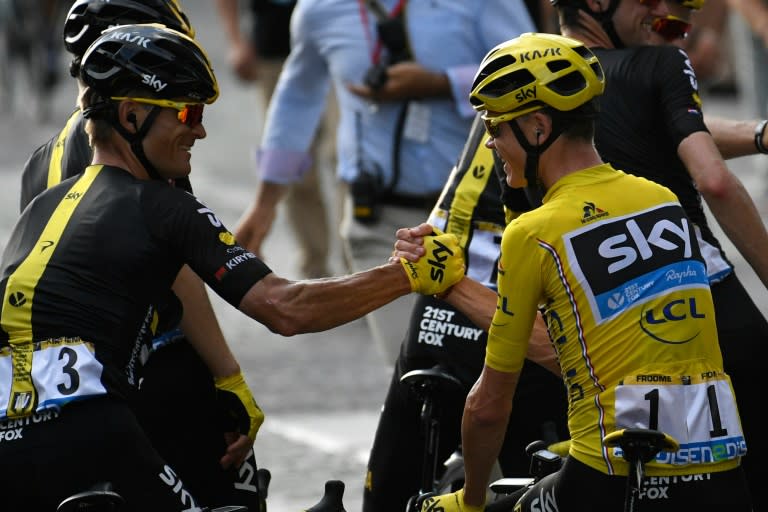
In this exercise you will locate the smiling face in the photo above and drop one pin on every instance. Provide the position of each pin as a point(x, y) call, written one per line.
point(169, 142)
point(633, 20)
point(508, 148)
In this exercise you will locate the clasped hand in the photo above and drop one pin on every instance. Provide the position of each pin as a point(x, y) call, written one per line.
point(442, 265)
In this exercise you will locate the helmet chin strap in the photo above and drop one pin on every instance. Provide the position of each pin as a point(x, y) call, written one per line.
point(136, 139)
point(534, 190)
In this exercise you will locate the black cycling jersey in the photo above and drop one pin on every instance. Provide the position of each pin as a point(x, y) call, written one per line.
point(64, 155)
point(651, 103)
point(656, 88)
point(158, 377)
point(88, 257)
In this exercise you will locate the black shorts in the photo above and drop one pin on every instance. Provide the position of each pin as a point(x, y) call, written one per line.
point(177, 408)
point(577, 487)
point(51, 456)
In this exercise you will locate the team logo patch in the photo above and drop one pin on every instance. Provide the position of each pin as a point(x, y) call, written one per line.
point(629, 260)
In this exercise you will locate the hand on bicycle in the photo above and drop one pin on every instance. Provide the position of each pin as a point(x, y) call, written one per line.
point(453, 502)
point(241, 415)
point(442, 266)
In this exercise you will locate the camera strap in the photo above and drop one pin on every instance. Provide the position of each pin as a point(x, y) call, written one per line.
point(382, 16)
point(385, 34)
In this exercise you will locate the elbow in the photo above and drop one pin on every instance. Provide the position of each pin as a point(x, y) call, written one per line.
point(282, 322)
point(273, 314)
point(284, 327)
point(716, 185)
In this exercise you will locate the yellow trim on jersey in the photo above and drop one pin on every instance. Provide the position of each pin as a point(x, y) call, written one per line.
point(16, 318)
point(467, 194)
point(54, 166)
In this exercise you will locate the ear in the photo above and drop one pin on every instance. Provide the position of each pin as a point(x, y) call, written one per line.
point(541, 125)
point(126, 113)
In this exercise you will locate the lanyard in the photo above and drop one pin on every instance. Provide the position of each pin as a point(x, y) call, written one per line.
point(376, 49)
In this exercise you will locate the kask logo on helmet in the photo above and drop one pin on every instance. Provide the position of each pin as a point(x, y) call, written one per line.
point(538, 54)
point(132, 38)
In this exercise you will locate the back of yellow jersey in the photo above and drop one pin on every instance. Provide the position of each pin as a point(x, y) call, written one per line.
point(613, 263)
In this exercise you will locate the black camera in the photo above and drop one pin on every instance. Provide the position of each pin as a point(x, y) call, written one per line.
point(376, 76)
point(365, 192)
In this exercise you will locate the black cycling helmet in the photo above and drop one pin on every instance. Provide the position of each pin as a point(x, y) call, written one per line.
point(169, 64)
point(88, 18)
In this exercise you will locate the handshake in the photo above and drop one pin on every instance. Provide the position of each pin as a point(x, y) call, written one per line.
point(433, 260)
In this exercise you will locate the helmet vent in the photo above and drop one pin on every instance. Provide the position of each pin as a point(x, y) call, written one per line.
point(508, 83)
point(568, 85)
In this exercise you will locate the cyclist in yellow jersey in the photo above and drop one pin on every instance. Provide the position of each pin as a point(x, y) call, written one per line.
point(623, 287)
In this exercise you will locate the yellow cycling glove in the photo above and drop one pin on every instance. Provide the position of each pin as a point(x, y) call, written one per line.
point(441, 267)
point(241, 412)
point(453, 502)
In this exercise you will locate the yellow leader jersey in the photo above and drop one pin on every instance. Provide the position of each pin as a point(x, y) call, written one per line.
point(612, 261)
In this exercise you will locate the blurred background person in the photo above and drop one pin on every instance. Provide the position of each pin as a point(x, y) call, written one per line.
point(257, 56)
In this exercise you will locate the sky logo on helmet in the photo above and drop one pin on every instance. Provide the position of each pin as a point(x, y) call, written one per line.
point(525, 94)
point(154, 82)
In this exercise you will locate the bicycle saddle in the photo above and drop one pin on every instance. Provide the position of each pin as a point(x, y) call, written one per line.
point(641, 444)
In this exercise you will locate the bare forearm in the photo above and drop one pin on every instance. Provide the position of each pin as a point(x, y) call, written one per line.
point(733, 138)
point(739, 219)
point(295, 307)
point(478, 303)
point(475, 300)
point(201, 327)
point(483, 427)
point(731, 205)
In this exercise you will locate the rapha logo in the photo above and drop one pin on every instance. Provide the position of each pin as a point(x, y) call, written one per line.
point(154, 82)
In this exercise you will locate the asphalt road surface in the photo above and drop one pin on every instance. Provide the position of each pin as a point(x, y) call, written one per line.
point(321, 393)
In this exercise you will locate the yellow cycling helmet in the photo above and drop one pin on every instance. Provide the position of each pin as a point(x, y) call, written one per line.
point(534, 71)
point(692, 4)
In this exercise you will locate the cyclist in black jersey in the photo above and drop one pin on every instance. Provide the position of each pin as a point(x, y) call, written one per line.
point(164, 401)
point(88, 257)
point(651, 125)
point(611, 279)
